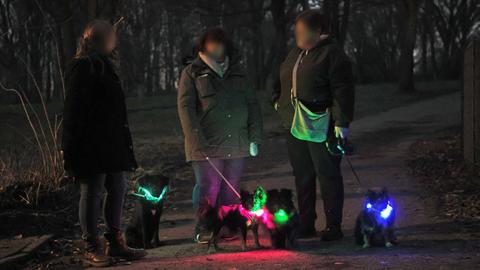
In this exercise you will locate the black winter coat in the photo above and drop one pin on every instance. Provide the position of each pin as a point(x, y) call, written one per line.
point(96, 136)
point(324, 80)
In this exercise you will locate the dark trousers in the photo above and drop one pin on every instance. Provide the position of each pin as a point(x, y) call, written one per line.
point(210, 188)
point(310, 161)
point(92, 190)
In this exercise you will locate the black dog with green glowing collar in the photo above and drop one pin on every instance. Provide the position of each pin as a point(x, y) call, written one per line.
point(150, 191)
point(284, 217)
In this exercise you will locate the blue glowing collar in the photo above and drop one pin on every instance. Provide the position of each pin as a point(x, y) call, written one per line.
point(384, 213)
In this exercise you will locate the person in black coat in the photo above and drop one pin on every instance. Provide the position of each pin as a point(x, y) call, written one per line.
point(96, 142)
point(321, 74)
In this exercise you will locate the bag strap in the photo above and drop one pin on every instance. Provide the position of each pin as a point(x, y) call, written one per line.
point(293, 95)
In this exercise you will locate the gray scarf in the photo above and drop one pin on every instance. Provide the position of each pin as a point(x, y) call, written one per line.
point(219, 67)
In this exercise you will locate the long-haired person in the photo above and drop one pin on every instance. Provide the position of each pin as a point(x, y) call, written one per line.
point(96, 143)
point(221, 120)
point(315, 101)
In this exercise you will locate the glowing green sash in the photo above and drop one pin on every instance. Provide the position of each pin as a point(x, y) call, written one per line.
point(307, 125)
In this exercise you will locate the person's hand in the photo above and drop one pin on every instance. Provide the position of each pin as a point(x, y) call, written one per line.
point(275, 106)
point(253, 149)
point(341, 132)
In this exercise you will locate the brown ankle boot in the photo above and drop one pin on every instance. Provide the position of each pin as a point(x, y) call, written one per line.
point(94, 255)
point(116, 247)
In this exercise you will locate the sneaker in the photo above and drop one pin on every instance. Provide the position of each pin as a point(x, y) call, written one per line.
point(331, 234)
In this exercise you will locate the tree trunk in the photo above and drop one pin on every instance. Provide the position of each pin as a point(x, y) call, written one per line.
point(345, 19)
point(91, 9)
point(409, 10)
point(278, 48)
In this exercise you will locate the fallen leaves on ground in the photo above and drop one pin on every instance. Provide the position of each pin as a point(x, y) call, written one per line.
point(453, 183)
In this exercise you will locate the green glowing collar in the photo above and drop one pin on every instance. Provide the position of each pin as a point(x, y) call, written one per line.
point(280, 217)
point(259, 199)
point(145, 193)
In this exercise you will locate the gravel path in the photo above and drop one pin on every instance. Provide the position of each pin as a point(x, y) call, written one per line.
point(382, 141)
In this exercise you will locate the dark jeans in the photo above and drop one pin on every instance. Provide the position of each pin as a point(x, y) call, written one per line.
point(92, 191)
point(310, 161)
point(210, 188)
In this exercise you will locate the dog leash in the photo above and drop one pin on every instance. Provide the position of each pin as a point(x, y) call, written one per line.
point(340, 146)
point(222, 176)
point(353, 171)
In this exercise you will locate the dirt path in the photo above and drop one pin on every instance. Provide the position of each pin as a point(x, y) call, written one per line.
point(381, 145)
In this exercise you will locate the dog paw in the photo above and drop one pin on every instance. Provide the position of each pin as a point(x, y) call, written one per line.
point(212, 250)
point(366, 245)
point(388, 244)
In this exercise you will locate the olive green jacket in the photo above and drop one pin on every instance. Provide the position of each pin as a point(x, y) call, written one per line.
point(220, 117)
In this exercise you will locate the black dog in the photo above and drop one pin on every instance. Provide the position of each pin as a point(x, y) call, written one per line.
point(375, 223)
point(253, 223)
point(284, 216)
point(142, 232)
point(213, 219)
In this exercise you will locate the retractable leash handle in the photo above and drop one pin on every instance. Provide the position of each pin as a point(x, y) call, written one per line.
point(341, 146)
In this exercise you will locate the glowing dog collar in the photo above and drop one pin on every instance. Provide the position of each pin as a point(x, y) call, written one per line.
point(145, 193)
point(259, 200)
point(384, 213)
point(280, 217)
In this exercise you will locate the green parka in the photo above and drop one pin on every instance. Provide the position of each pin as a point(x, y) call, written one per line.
point(220, 116)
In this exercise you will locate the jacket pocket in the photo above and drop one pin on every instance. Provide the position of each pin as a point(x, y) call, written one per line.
point(206, 92)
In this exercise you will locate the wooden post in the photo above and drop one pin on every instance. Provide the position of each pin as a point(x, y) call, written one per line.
point(471, 103)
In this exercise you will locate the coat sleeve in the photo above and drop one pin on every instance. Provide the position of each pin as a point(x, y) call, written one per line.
point(341, 87)
point(79, 81)
point(187, 107)
point(276, 89)
point(255, 122)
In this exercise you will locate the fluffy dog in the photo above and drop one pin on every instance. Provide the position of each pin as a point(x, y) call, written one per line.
point(143, 230)
point(284, 216)
point(375, 223)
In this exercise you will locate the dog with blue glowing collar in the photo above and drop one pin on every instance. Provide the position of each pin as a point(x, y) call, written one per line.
point(375, 223)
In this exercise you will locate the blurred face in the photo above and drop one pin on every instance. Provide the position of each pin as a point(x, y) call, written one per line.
point(110, 42)
point(305, 37)
point(215, 49)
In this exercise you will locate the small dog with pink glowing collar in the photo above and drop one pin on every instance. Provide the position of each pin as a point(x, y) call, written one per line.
point(237, 218)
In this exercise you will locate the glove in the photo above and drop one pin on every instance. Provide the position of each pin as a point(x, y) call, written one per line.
point(341, 132)
point(253, 149)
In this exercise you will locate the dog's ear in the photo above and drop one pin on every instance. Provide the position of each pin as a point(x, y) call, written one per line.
point(286, 193)
point(370, 194)
point(244, 194)
point(139, 180)
point(164, 180)
point(272, 193)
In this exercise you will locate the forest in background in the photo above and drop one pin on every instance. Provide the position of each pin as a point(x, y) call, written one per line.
point(388, 40)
